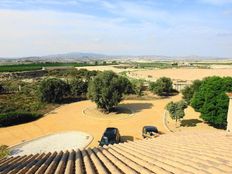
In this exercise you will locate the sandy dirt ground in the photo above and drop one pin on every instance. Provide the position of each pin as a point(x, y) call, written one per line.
point(70, 117)
point(191, 121)
point(177, 74)
point(180, 74)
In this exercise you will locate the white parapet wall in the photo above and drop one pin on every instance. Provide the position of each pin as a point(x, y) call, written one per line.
point(229, 114)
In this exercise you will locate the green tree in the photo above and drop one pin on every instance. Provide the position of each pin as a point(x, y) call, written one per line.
point(189, 91)
point(95, 62)
point(85, 74)
point(211, 100)
point(53, 90)
point(78, 87)
point(107, 89)
point(162, 86)
point(176, 110)
point(138, 87)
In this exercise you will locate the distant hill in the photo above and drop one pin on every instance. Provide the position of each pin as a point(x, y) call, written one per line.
point(75, 55)
point(66, 57)
point(80, 56)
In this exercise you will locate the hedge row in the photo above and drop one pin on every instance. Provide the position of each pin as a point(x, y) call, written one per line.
point(14, 118)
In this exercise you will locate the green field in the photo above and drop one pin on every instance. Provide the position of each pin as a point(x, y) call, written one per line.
point(38, 66)
point(154, 65)
point(212, 63)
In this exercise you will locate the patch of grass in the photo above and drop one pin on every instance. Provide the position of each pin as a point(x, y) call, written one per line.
point(212, 63)
point(18, 107)
point(3, 151)
point(160, 65)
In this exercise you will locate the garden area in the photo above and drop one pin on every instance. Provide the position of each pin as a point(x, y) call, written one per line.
point(58, 102)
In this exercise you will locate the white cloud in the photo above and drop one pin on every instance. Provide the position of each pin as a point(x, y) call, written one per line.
point(130, 28)
point(24, 33)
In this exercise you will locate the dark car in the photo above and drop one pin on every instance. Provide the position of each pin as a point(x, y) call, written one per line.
point(110, 136)
point(149, 131)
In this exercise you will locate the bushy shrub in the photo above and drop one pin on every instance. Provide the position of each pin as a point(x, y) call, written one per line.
point(189, 91)
point(211, 100)
point(53, 90)
point(86, 74)
point(72, 73)
point(137, 87)
point(162, 86)
point(78, 87)
point(2, 90)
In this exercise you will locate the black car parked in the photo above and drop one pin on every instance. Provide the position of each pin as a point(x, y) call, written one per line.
point(110, 136)
point(149, 131)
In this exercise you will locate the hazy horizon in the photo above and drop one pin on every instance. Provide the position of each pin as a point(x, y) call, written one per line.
point(117, 55)
point(141, 27)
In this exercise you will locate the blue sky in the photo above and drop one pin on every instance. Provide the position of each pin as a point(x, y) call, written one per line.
point(117, 27)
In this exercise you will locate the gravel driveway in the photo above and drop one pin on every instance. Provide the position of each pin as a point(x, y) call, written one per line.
point(51, 143)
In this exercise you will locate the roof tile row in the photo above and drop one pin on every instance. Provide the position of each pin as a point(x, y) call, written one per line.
point(198, 153)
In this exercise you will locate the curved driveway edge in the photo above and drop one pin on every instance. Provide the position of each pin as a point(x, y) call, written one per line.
point(66, 140)
point(165, 121)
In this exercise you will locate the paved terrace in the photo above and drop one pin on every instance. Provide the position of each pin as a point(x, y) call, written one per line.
point(186, 152)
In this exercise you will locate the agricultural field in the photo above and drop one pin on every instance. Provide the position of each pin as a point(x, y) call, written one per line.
point(39, 66)
point(188, 74)
point(154, 71)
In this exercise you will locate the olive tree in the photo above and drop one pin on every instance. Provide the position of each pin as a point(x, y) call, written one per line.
point(176, 109)
point(78, 87)
point(138, 87)
point(107, 90)
point(211, 100)
point(162, 86)
point(53, 90)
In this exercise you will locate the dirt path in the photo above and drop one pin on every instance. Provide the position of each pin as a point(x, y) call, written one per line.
point(70, 117)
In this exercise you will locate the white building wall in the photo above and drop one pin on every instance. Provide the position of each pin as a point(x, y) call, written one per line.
point(229, 115)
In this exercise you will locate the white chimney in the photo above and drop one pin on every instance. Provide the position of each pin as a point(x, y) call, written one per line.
point(229, 114)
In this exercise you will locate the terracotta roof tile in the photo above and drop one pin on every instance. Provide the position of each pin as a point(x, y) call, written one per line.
point(187, 152)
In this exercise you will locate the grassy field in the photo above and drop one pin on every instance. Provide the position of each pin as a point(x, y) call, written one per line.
point(160, 65)
point(212, 63)
point(38, 66)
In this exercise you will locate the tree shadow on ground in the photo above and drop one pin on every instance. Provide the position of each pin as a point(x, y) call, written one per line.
point(190, 122)
point(126, 138)
point(168, 95)
point(161, 133)
point(69, 100)
point(121, 110)
point(137, 107)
